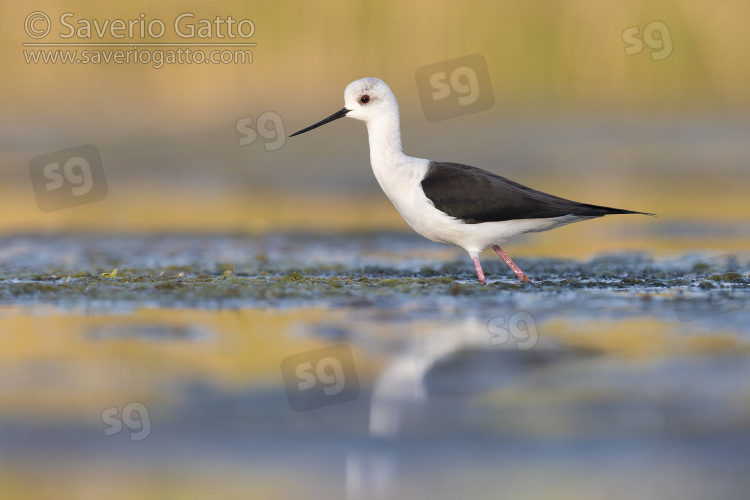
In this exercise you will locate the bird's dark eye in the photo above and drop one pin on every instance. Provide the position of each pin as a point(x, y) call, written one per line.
point(364, 99)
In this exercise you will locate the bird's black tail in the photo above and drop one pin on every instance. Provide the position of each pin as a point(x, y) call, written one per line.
point(586, 210)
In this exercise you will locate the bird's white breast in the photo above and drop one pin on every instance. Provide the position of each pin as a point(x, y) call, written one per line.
point(401, 182)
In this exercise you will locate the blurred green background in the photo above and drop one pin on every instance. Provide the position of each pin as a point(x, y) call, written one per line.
point(573, 113)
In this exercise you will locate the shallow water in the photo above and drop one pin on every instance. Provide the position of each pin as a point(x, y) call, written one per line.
point(185, 375)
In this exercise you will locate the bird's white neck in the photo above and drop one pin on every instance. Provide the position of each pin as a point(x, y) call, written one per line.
point(384, 134)
point(398, 175)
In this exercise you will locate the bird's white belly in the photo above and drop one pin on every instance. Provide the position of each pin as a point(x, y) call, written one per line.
point(438, 226)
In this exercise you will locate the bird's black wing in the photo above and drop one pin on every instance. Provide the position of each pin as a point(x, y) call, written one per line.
point(475, 195)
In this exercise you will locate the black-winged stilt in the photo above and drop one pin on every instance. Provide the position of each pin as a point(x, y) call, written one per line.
point(449, 202)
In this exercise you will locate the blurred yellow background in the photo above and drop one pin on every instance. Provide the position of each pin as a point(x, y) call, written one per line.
point(573, 114)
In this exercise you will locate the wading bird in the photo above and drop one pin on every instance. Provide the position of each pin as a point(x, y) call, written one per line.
point(449, 202)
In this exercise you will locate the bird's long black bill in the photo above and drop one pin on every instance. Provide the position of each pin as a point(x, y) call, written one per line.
point(338, 114)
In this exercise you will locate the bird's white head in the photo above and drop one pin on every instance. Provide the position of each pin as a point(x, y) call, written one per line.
point(366, 99)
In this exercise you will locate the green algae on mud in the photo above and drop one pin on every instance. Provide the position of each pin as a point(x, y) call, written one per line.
point(150, 287)
point(342, 270)
point(154, 286)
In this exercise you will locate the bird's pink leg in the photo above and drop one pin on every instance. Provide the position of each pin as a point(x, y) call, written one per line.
point(478, 267)
point(512, 265)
